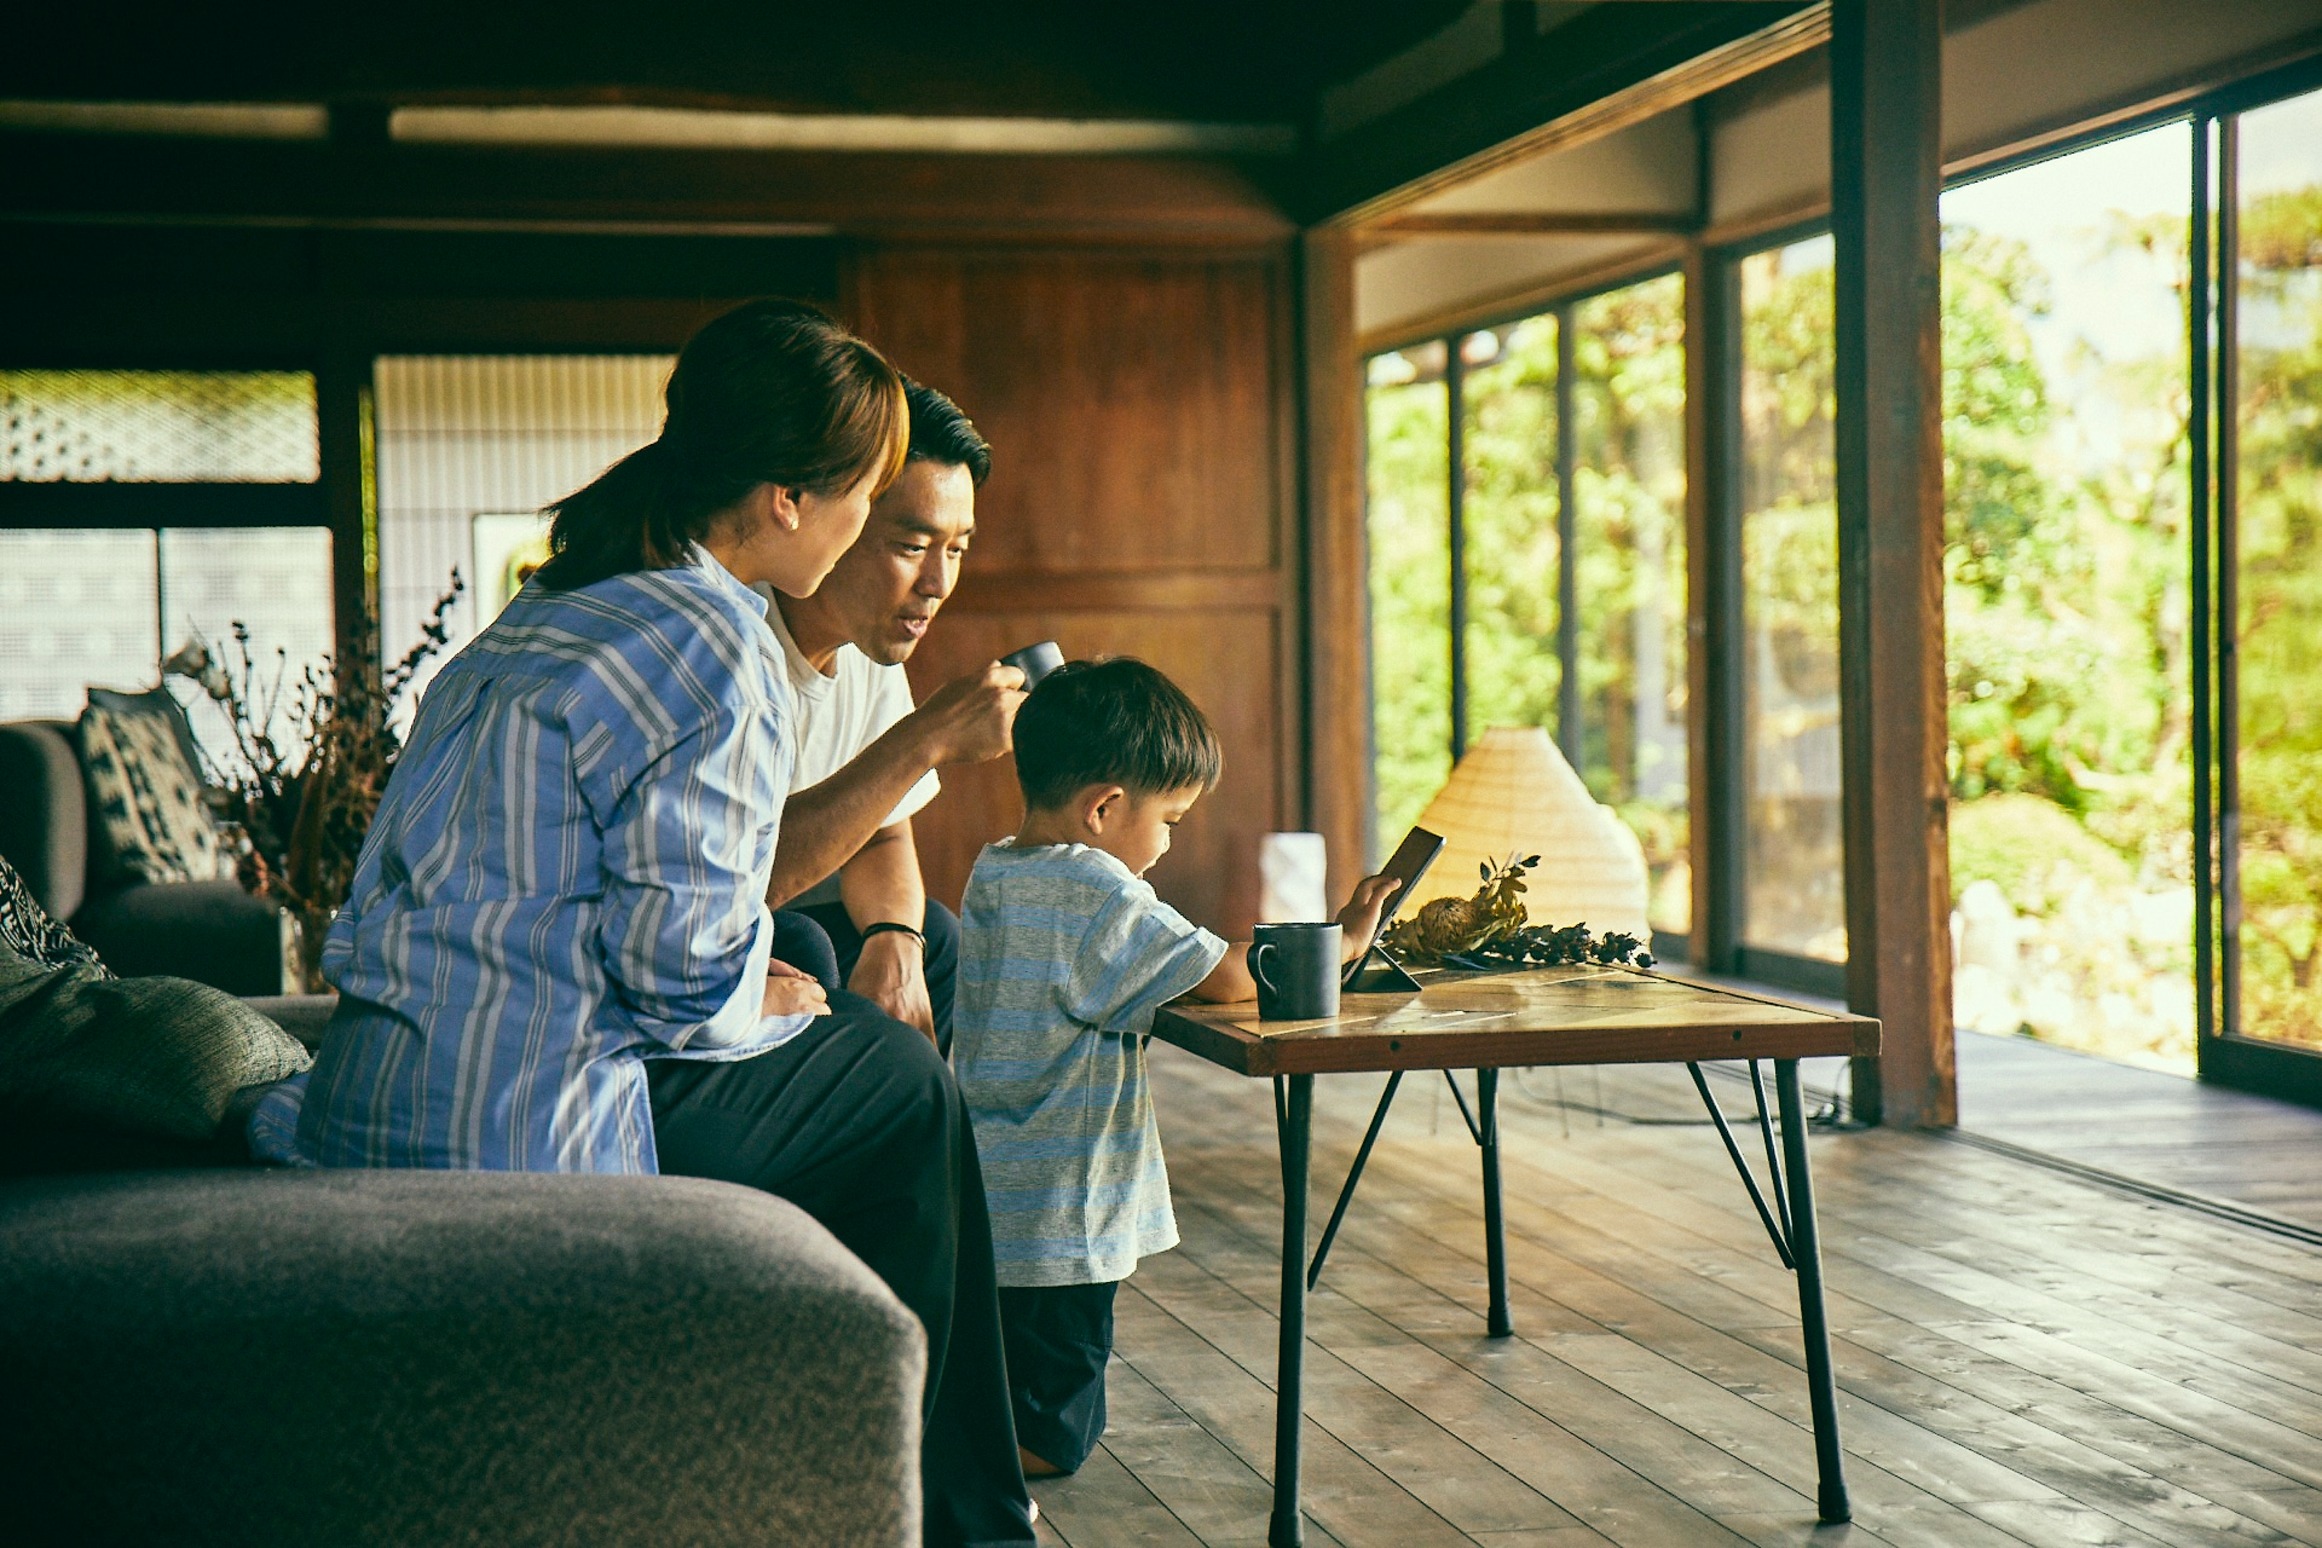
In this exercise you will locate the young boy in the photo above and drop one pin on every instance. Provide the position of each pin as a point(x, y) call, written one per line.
point(1066, 955)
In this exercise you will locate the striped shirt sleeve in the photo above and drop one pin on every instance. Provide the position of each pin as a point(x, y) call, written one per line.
point(1138, 954)
point(684, 932)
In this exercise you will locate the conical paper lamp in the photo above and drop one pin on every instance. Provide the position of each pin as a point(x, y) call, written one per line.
point(1513, 794)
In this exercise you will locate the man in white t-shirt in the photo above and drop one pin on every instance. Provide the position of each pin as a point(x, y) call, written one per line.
point(866, 757)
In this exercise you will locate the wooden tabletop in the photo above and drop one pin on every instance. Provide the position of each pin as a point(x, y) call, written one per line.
point(1571, 1015)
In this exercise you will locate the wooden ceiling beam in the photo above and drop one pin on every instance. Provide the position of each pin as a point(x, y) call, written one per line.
point(1176, 200)
point(1222, 60)
point(1532, 223)
point(1610, 67)
point(146, 330)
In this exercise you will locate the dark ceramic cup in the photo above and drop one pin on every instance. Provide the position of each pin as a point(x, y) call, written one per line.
point(1035, 661)
point(1297, 969)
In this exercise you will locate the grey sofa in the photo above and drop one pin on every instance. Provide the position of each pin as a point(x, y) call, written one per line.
point(201, 1352)
point(209, 931)
point(407, 1358)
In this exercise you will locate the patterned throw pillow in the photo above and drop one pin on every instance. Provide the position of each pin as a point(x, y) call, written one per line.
point(138, 758)
point(28, 931)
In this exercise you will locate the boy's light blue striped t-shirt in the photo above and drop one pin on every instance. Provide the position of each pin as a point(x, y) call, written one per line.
point(1065, 954)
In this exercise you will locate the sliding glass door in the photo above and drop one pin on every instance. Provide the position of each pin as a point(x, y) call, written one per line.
point(2265, 1029)
point(1527, 561)
point(1793, 885)
point(2067, 599)
point(1409, 529)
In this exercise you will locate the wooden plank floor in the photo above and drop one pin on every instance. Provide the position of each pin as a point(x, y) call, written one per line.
point(2023, 1358)
point(2144, 1124)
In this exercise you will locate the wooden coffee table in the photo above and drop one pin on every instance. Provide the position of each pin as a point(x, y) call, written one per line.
point(1544, 1016)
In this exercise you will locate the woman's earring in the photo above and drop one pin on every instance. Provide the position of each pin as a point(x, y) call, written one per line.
point(789, 522)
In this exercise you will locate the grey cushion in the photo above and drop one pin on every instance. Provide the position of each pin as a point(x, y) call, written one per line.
point(213, 932)
point(261, 1358)
point(304, 1016)
point(152, 1055)
point(44, 813)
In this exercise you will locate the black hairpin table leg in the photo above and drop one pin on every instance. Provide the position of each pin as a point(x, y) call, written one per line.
point(1814, 1325)
point(1295, 1113)
point(1487, 1102)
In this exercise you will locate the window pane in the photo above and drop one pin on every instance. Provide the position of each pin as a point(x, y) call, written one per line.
point(77, 610)
point(2067, 598)
point(1510, 520)
point(276, 581)
point(1794, 892)
point(463, 437)
point(1409, 530)
point(1629, 501)
point(2280, 571)
point(239, 427)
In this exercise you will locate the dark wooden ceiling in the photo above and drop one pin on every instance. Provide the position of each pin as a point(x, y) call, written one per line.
point(1219, 60)
point(1216, 61)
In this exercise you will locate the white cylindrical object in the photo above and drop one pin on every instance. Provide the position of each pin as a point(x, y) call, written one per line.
point(1291, 878)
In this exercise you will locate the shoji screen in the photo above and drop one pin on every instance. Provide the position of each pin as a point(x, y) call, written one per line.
point(470, 448)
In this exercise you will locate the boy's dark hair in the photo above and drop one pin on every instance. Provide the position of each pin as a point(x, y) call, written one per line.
point(1112, 722)
point(941, 433)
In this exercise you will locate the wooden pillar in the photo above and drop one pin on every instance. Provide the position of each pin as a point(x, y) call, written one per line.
point(1335, 601)
point(1886, 176)
point(343, 419)
point(1716, 742)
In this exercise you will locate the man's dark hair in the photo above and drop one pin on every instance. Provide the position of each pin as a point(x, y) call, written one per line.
point(1113, 722)
point(941, 433)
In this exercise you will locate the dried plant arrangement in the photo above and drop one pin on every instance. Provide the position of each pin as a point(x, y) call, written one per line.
point(1492, 930)
point(300, 807)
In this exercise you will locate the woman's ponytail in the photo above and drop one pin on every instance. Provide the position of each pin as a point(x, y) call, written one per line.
point(616, 524)
point(773, 392)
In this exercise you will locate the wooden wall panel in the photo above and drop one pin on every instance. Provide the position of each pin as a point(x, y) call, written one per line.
point(1137, 407)
point(1129, 400)
point(1223, 658)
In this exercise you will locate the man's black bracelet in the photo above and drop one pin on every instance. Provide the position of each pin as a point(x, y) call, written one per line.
point(896, 926)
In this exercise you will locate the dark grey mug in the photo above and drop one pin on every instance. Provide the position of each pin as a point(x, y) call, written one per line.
point(1297, 967)
point(1035, 661)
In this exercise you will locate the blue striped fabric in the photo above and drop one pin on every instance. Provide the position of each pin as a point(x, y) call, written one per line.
point(567, 875)
point(1064, 956)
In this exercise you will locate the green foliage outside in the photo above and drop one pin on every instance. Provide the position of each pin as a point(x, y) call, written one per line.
point(2280, 540)
point(1630, 482)
point(1513, 674)
point(2066, 596)
point(2033, 850)
point(1629, 495)
point(1410, 586)
point(2068, 660)
point(1793, 895)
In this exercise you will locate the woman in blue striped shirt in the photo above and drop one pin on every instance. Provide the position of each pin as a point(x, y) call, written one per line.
point(557, 954)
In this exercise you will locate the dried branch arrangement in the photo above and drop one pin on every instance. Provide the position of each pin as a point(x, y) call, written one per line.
point(1492, 930)
point(303, 805)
